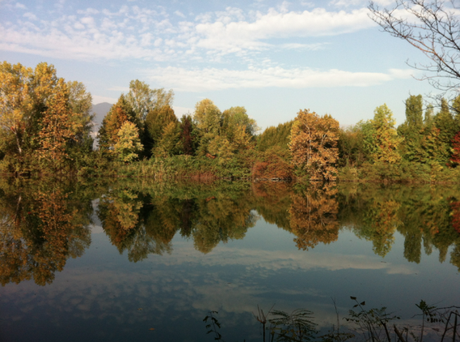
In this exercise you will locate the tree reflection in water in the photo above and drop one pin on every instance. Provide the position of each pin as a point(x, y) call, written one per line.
point(43, 224)
point(41, 227)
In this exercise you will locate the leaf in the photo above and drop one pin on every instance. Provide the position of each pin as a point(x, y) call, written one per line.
point(354, 298)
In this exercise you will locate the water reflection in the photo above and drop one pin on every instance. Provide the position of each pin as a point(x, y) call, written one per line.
point(43, 224)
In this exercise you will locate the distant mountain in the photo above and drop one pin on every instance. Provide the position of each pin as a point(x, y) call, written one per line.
point(100, 110)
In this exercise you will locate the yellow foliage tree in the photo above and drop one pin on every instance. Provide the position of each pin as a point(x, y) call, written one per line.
point(386, 136)
point(128, 145)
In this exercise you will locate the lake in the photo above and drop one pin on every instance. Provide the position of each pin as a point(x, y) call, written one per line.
point(139, 260)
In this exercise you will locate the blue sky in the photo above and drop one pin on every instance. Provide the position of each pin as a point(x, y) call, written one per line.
point(272, 57)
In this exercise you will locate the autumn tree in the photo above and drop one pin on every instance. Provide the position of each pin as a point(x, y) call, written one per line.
point(313, 217)
point(314, 145)
point(57, 129)
point(128, 145)
point(386, 137)
point(208, 121)
point(27, 97)
point(113, 121)
point(142, 99)
point(80, 102)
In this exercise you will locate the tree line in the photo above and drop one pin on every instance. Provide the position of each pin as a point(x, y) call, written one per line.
point(46, 124)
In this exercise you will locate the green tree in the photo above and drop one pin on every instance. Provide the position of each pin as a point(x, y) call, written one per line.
point(169, 143)
point(411, 129)
point(156, 121)
point(275, 136)
point(236, 117)
point(447, 126)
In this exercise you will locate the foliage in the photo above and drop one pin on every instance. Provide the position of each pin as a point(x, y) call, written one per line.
point(372, 323)
point(313, 216)
point(208, 121)
point(351, 147)
point(128, 145)
point(34, 106)
point(108, 132)
point(42, 226)
point(187, 135)
point(296, 326)
point(275, 136)
point(156, 121)
point(386, 137)
point(455, 158)
point(142, 99)
point(411, 129)
point(314, 145)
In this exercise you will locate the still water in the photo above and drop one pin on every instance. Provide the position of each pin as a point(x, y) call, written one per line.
point(144, 261)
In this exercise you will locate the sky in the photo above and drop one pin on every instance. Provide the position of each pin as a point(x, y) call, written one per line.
point(272, 57)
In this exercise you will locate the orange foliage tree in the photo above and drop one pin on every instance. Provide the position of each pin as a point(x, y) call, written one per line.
point(314, 145)
point(314, 217)
point(57, 129)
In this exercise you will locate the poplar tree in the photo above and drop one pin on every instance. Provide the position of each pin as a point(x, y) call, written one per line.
point(411, 130)
point(447, 127)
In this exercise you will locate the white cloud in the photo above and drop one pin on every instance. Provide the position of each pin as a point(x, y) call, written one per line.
point(88, 11)
point(140, 33)
point(219, 79)
point(349, 3)
point(20, 6)
point(30, 16)
point(180, 14)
